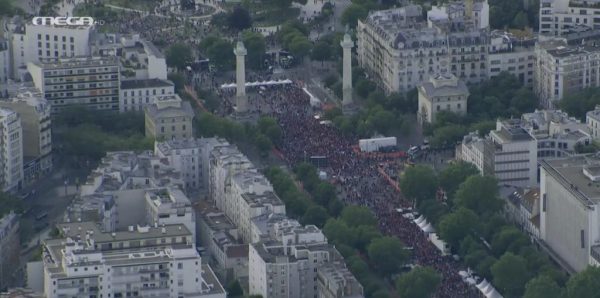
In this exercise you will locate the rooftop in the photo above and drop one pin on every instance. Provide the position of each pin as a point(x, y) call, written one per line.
point(79, 62)
point(80, 230)
point(145, 83)
point(578, 174)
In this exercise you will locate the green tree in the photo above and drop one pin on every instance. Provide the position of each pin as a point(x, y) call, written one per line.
point(239, 19)
point(352, 14)
point(510, 275)
point(263, 144)
point(355, 216)
point(364, 87)
point(219, 51)
point(456, 173)
point(324, 193)
point(455, 226)
point(178, 55)
point(315, 215)
point(448, 135)
point(543, 287)
point(387, 254)
point(419, 183)
point(420, 282)
point(480, 194)
point(520, 21)
point(256, 46)
point(509, 239)
point(321, 51)
point(577, 104)
point(585, 283)
point(300, 46)
point(338, 232)
point(365, 235)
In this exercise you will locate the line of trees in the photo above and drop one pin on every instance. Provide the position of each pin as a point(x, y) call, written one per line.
point(473, 213)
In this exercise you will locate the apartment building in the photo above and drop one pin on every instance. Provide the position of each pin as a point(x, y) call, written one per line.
point(219, 236)
point(400, 49)
point(191, 158)
point(147, 262)
point(565, 67)
point(513, 54)
point(592, 119)
point(10, 249)
point(137, 94)
point(139, 58)
point(557, 134)
point(11, 146)
point(29, 43)
point(522, 207)
point(34, 111)
point(509, 153)
point(334, 280)
point(125, 189)
point(92, 82)
point(558, 17)
point(169, 118)
point(569, 210)
point(289, 265)
point(443, 92)
point(225, 161)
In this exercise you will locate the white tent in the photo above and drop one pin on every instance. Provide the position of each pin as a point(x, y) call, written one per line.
point(258, 83)
point(428, 228)
point(420, 219)
point(488, 290)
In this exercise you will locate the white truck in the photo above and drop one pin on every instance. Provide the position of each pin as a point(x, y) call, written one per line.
point(371, 145)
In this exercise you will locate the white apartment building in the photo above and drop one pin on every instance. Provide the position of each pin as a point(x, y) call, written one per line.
point(136, 94)
point(443, 92)
point(512, 54)
point(334, 280)
point(401, 50)
point(225, 161)
point(146, 262)
point(169, 206)
point(34, 111)
point(556, 133)
point(30, 43)
point(219, 236)
point(592, 119)
point(564, 68)
point(558, 17)
point(191, 157)
point(569, 210)
point(140, 59)
point(515, 155)
point(92, 82)
point(509, 153)
point(11, 136)
point(115, 194)
point(522, 207)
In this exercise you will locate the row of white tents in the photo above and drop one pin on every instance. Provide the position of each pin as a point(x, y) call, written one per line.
point(258, 83)
point(486, 288)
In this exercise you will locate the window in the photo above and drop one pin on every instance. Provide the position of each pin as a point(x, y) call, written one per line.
point(179, 265)
point(183, 127)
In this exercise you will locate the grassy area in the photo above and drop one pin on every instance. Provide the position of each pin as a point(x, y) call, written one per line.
point(135, 4)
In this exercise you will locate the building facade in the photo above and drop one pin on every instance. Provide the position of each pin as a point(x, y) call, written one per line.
point(11, 142)
point(34, 111)
point(400, 50)
point(592, 119)
point(444, 92)
point(558, 17)
point(147, 262)
point(512, 54)
point(29, 43)
point(92, 82)
point(136, 94)
point(169, 118)
point(569, 210)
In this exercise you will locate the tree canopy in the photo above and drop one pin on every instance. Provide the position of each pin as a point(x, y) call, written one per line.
point(510, 274)
point(455, 226)
point(543, 287)
point(577, 104)
point(420, 282)
point(585, 283)
point(239, 19)
point(387, 254)
point(480, 194)
point(179, 55)
point(419, 183)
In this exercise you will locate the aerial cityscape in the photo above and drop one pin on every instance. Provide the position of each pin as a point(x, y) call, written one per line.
point(300, 148)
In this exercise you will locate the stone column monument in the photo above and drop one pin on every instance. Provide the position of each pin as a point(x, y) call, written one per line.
point(347, 44)
point(241, 100)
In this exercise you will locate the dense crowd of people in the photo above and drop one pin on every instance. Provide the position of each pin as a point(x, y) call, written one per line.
point(358, 179)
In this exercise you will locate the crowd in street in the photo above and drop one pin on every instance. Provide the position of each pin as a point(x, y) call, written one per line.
point(357, 179)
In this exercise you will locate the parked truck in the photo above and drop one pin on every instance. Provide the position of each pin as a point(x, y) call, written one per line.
point(376, 144)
